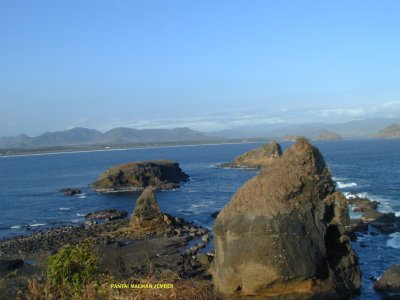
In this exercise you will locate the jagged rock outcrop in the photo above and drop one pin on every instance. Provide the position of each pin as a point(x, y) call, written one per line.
point(135, 176)
point(256, 158)
point(147, 217)
point(283, 233)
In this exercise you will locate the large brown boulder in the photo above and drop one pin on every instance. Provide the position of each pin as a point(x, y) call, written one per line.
point(390, 281)
point(257, 158)
point(147, 217)
point(283, 233)
point(135, 176)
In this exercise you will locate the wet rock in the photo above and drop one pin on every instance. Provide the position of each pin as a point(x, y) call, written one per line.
point(356, 225)
point(390, 281)
point(283, 233)
point(136, 176)
point(70, 191)
point(107, 214)
point(370, 216)
point(362, 204)
point(215, 214)
point(387, 223)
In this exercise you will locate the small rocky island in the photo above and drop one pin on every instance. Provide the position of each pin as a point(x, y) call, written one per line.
point(328, 136)
point(256, 158)
point(136, 176)
point(284, 234)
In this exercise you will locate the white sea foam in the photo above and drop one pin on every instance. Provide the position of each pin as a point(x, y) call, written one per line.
point(80, 215)
point(65, 208)
point(16, 227)
point(37, 224)
point(394, 241)
point(82, 196)
point(385, 205)
point(350, 195)
point(397, 213)
point(344, 185)
point(76, 220)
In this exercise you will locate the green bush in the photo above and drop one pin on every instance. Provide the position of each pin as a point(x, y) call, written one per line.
point(72, 267)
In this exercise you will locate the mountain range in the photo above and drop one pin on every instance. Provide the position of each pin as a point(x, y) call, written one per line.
point(124, 136)
point(118, 136)
point(352, 129)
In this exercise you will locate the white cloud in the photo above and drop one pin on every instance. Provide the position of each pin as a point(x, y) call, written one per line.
point(245, 116)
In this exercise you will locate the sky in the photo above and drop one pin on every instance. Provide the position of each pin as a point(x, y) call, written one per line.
point(209, 65)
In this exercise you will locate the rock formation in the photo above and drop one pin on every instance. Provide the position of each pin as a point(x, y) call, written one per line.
point(107, 214)
point(135, 176)
point(147, 217)
point(283, 233)
point(70, 191)
point(256, 158)
point(390, 281)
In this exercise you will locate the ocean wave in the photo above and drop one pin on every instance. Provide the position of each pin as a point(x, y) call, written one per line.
point(82, 196)
point(76, 220)
point(394, 242)
point(65, 208)
point(37, 224)
point(16, 227)
point(385, 205)
point(80, 215)
point(344, 185)
point(350, 195)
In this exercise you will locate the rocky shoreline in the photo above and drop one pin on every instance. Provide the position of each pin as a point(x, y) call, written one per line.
point(123, 252)
point(302, 213)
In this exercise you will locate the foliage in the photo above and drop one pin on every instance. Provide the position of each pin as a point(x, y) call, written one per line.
point(72, 266)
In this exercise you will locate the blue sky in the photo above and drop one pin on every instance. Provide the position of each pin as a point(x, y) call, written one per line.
point(205, 64)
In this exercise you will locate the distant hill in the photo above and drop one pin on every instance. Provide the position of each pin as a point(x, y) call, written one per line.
point(328, 136)
point(391, 131)
point(117, 136)
point(351, 129)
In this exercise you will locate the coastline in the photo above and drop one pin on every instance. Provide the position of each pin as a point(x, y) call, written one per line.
point(41, 152)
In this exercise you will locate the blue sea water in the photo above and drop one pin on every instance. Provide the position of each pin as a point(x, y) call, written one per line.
point(29, 189)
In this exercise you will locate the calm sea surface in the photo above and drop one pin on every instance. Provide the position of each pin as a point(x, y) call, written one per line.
point(30, 200)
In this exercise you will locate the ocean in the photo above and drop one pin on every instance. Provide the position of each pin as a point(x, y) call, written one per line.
point(31, 201)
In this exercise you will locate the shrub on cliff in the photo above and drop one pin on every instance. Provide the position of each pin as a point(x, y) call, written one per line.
point(72, 267)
